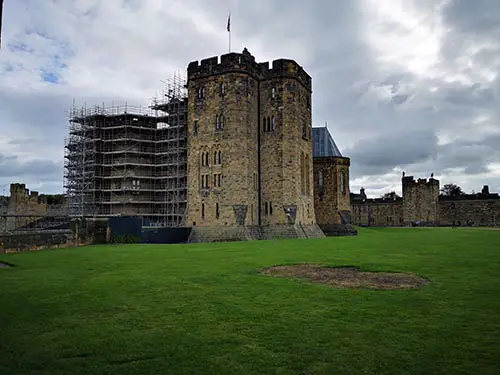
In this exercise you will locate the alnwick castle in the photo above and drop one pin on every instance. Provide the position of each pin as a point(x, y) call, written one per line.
point(239, 161)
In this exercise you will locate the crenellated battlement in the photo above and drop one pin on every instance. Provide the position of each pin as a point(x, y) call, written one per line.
point(245, 63)
point(410, 180)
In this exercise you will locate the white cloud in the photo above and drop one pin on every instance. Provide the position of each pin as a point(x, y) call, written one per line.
point(382, 70)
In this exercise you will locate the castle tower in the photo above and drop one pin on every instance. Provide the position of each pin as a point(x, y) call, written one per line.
point(250, 149)
point(420, 200)
point(331, 185)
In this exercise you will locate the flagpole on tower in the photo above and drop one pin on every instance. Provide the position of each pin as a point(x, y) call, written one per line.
point(229, 29)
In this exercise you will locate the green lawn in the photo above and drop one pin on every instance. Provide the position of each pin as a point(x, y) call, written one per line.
point(204, 309)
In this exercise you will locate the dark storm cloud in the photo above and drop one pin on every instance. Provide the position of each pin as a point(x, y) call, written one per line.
point(381, 154)
point(12, 167)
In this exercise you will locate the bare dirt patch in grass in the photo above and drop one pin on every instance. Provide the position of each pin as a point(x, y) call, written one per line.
point(347, 277)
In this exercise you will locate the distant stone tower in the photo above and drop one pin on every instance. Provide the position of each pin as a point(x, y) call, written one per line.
point(249, 150)
point(331, 185)
point(420, 200)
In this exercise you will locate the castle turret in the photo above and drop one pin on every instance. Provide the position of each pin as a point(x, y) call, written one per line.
point(420, 200)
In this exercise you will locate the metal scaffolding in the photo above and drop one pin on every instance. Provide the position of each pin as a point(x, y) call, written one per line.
point(130, 161)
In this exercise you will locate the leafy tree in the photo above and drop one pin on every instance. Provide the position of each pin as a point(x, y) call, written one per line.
point(390, 195)
point(451, 190)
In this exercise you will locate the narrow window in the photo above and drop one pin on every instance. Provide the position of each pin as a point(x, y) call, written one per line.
point(217, 210)
point(273, 92)
point(217, 123)
point(222, 89)
point(251, 211)
point(207, 159)
point(215, 157)
point(273, 126)
point(203, 210)
point(195, 127)
point(220, 157)
point(320, 179)
point(342, 183)
point(270, 208)
point(207, 177)
point(266, 208)
point(215, 180)
point(221, 122)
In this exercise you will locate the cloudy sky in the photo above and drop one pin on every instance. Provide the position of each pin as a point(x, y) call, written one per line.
point(407, 85)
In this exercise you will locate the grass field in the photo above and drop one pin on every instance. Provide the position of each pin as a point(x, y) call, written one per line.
point(204, 309)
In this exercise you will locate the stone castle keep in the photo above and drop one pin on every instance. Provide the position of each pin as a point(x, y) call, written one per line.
point(250, 149)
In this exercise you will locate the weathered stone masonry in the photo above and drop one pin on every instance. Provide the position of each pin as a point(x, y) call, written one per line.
point(259, 119)
point(421, 203)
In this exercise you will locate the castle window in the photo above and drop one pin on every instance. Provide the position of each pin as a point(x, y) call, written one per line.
point(217, 210)
point(135, 184)
point(201, 92)
point(222, 89)
point(273, 126)
point(203, 210)
point(207, 159)
point(302, 173)
point(219, 122)
point(195, 127)
point(342, 183)
point(273, 92)
point(220, 157)
point(270, 208)
point(320, 179)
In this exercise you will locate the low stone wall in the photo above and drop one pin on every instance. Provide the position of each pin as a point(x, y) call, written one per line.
point(338, 230)
point(35, 240)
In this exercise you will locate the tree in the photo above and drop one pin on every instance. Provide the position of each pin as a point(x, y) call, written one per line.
point(451, 190)
point(391, 195)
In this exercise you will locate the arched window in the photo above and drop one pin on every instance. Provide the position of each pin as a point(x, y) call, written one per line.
point(342, 183)
point(207, 159)
point(302, 173)
point(220, 157)
point(215, 158)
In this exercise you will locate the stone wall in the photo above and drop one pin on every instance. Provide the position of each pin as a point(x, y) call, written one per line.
point(482, 212)
point(35, 240)
point(421, 203)
point(25, 207)
point(378, 212)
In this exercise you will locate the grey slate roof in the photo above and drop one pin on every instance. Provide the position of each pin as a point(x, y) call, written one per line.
point(323, 143)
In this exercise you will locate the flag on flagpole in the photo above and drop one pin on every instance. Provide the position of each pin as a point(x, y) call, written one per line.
point(229, 22)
